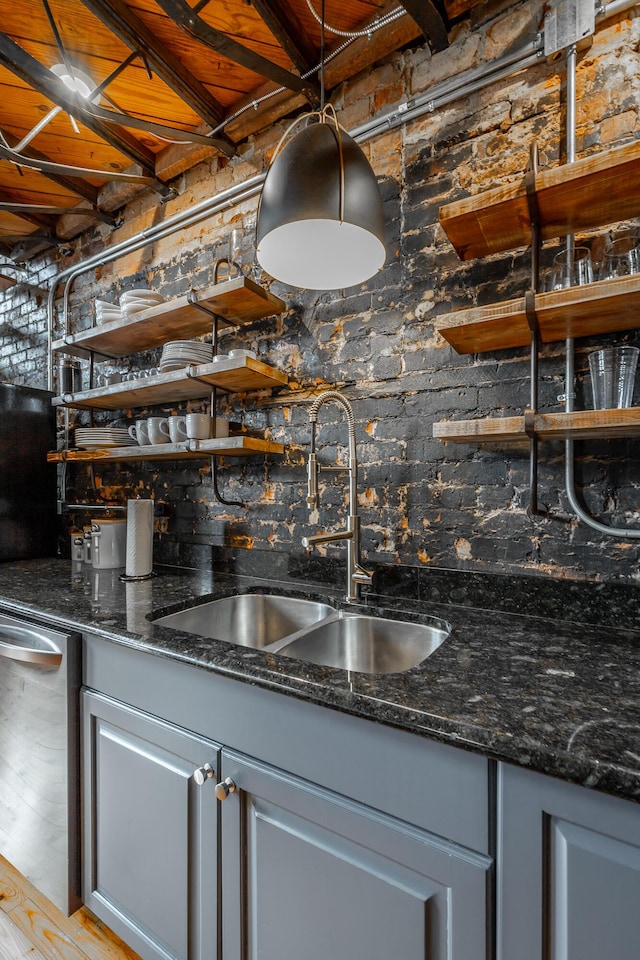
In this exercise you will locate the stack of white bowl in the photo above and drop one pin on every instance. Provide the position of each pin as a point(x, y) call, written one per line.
point(106, 312)
point(178, 354)
point(134, 301)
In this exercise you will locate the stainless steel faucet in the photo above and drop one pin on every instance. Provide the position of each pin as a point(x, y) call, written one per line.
point(356, 574)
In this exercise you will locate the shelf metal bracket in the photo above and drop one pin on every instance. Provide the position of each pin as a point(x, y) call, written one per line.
point(188, 372)
point(192, 298)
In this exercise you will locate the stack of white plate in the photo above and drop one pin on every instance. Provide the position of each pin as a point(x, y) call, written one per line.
point(178, 354)
point(106, 312)
point(93, 438)
point(133, 301)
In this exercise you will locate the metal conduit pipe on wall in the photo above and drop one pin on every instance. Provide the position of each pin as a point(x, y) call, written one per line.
point(469, 82)
point(466, 83)
point(442, 94)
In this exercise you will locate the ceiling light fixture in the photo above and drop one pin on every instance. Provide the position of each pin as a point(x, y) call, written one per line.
point(320, 221)
point(76, 81)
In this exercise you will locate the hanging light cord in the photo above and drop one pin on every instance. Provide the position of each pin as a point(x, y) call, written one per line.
point(376, 25)
point(352, 34)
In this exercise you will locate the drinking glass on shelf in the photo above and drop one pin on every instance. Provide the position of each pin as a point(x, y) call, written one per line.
point(571, 268)
point(613, 373)
point(621, 258)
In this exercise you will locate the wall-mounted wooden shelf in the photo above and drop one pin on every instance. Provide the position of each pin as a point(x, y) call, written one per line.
point(578, 425)
point(603, 307)
point(589, 193)
point(235, 302)
point(232, 375)
point(189, 450)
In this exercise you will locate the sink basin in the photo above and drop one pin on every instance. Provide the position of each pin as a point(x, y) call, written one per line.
point(248, 619)
point(367, 644)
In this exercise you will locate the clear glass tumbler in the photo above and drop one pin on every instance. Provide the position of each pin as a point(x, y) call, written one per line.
point(621, 258)
point(613, 374)
point(571, 268)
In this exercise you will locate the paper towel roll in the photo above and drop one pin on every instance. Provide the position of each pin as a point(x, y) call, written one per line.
point(139, 561)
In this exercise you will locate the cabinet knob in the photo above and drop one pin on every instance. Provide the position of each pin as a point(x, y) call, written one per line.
point(224, 788)
point(203, 773)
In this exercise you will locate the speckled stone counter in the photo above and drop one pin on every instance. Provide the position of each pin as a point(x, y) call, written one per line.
point(556, 695)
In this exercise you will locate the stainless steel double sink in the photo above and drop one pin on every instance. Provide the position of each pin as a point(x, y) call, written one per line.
point(313, 631)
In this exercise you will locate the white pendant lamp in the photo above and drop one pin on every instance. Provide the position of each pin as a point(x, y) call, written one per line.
point(320, 221)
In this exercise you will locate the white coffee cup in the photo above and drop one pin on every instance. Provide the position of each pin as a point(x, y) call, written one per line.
point(139, 431)
point(77, 547)
point(177, 429)
point(220, 428)
point(86, 536)
point(158, 429)
point(108, 543)
point(199, 426)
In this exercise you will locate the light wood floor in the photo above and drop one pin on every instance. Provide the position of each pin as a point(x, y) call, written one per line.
point(31, 927)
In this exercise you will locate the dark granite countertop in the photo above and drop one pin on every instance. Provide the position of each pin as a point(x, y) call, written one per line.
point(561, 696)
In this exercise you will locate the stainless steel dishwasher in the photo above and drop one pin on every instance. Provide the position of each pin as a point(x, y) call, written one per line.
point(39, 757)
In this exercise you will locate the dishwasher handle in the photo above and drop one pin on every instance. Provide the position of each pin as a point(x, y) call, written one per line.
point(36, 655)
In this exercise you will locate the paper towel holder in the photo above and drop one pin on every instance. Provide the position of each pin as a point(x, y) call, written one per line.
point(130, 579)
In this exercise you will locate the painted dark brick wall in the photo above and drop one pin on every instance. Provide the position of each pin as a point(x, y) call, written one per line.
point(423, 503)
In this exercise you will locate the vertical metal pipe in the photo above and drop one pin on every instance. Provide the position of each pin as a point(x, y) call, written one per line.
point(569, 461)
point(534, 351)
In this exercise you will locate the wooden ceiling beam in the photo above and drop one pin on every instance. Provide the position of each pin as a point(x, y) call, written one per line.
point(181, 13)
point(458, 8)
point(23, 65)
point(285, 26)
point(80, 188)
point(431, 21)
point(123, 22)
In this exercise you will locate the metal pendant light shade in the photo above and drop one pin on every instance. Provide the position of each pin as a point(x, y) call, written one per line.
point(320, 223)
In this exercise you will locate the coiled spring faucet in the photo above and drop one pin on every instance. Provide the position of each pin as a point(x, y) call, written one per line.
point(356, 574)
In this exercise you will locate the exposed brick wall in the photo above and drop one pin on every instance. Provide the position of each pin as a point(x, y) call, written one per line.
point(422, 502)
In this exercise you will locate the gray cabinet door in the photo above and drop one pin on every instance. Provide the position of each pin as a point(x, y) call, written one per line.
point(568, 869)
point(150, 832)
point(309, 874)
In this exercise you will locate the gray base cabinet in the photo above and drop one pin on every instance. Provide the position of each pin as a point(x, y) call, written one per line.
point(568, 871)
point(307, 873)
point(150, 831)
point(339, 838)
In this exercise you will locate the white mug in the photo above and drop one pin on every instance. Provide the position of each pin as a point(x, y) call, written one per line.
point(139, 431)
point(198, 426)
point(86, 536)
point(158, 430)
point(109, 544)
point(77, 547)
point(177, 429)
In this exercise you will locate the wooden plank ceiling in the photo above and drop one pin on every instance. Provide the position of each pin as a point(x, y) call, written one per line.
point(175, 82)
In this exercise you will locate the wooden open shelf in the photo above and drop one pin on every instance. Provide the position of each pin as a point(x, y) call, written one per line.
point(232, 375)
point(603, 307)
point(578, 425)
point(189, 450)
point(237, 301)
point(589, 193)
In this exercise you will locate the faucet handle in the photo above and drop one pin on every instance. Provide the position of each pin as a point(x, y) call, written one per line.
point(360, 575)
